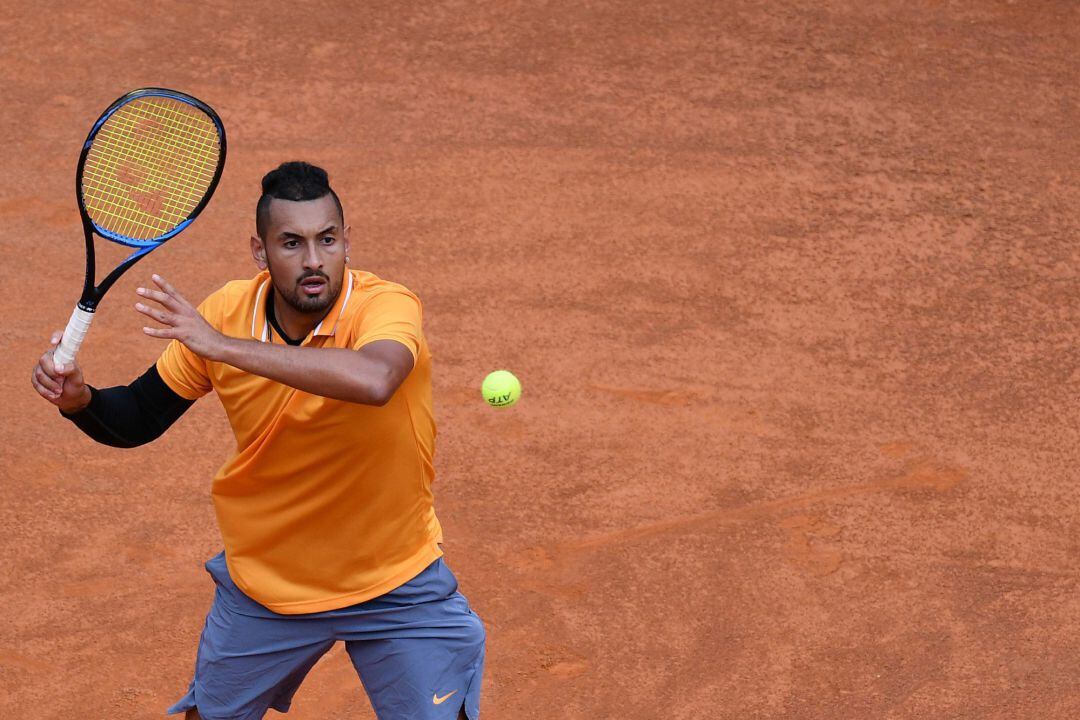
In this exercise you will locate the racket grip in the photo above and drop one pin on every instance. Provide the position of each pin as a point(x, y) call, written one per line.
point(74, 334)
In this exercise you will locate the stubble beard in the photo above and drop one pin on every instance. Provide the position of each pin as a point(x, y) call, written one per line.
point(299, 302)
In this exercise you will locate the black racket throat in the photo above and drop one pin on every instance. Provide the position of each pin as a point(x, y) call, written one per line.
point(92, 294)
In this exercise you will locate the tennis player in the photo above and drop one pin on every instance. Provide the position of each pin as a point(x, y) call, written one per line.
point(326, 509)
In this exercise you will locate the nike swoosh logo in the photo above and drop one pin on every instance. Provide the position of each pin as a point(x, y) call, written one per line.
point(440, 700)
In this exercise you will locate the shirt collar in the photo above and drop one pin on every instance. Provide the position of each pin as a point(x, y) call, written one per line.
point(260, 326)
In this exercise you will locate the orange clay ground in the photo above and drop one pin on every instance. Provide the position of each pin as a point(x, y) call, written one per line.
point(791, 288)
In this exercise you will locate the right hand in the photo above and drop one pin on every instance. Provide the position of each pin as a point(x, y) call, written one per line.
point(63, 386)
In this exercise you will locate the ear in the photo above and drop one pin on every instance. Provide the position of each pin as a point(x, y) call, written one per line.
point(258, 251)
point(345, 238)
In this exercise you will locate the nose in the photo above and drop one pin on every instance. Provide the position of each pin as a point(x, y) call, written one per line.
point(312, 260)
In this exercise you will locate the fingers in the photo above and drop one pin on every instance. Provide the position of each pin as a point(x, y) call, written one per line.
point(157, 296)
point(48, 375)
point(58, 370)
point(169, 298)
point(169, 289)
point(167, 333)
point(42, 390)
point(44, 384)
point(47, 361)
point(166, 318)
point(52, 369)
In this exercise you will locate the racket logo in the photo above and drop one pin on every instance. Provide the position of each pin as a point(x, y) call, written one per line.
point(130, 174)
point(151, 203)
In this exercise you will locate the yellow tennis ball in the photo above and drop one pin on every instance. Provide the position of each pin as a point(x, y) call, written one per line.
point(501, 389)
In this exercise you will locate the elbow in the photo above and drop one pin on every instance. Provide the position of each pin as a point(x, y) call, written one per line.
point(377, 388)
point(119, 442)
point(384, 386)
point(149, 434)
point(381, 395)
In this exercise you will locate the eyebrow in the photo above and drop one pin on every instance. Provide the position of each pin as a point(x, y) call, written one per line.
point(327, 229)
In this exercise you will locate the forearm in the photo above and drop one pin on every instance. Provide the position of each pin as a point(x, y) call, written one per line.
point(132, 415)
point(336, 373)
point(95, 422)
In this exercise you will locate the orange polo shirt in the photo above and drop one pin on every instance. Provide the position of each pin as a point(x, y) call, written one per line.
point(326, 503)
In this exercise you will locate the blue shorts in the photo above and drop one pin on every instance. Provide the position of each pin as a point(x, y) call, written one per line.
point(419, 651)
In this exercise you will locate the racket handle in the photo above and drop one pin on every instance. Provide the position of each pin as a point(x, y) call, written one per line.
point(74, 334)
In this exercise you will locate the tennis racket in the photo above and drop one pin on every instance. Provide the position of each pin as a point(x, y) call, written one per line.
point(147, 169)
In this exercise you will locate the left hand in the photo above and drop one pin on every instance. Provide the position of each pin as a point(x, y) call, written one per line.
point(183, 322)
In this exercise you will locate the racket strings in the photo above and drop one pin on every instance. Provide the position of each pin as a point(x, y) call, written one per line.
point(144, 184)
point(149, 166)
point(152, 165)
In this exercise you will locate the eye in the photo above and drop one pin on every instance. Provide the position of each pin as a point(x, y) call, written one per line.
point(291, 244)
point(328, 240)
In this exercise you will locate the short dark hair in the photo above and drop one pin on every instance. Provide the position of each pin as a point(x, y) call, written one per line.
point(295, 181)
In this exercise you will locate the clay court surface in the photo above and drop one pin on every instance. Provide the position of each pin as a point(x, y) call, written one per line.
point(791, 287)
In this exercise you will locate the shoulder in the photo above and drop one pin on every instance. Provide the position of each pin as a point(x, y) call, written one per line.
point(369, 289)
point(380, 309)
point(235, 299)
point(236, 291)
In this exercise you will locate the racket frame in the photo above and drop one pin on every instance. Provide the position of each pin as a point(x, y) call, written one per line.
point(91, 294)
point(81, 317)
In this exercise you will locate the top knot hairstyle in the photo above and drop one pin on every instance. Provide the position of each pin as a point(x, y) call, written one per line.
point(296, 181)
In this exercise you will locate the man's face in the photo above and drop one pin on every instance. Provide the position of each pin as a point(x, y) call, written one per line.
point(304, 248)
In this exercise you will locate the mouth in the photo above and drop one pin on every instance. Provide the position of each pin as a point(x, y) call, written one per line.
point(313, 285)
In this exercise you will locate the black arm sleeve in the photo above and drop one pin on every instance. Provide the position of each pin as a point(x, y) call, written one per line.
point(132, 415)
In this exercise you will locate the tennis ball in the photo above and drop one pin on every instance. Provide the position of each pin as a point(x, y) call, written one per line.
point(501, 388)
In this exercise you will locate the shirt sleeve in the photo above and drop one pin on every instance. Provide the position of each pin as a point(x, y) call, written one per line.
point(184, 371)
point(391, 315)
point(132, 415)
